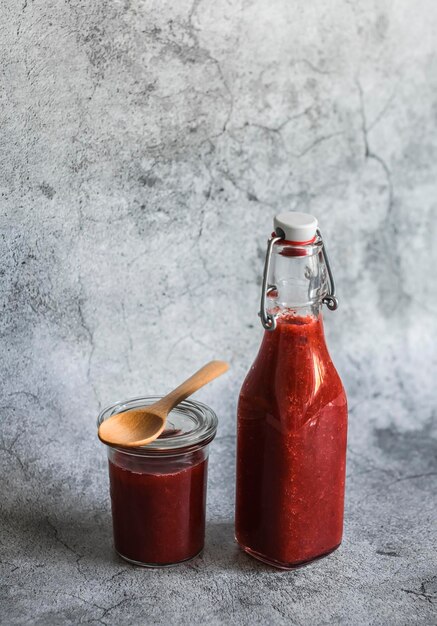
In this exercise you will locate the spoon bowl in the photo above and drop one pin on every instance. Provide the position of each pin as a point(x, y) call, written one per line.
point(133, 428)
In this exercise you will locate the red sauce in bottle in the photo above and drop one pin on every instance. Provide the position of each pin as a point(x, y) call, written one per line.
point(158, 507)
point(291, 450)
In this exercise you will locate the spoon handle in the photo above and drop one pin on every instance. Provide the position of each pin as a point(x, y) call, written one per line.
point(206, 374)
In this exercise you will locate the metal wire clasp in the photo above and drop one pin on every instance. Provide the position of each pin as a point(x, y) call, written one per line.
point(330, 299)
point(267, 319)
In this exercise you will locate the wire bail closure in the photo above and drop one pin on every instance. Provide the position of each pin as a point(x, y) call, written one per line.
point(267, 319)
point(330, 299)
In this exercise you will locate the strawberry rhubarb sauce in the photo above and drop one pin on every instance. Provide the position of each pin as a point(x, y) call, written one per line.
point(292, 426)
point(158, 508)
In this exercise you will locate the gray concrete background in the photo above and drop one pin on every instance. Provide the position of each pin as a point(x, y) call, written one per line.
point(145, 147)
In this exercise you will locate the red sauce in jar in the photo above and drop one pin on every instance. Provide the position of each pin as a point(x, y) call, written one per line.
point(158, 507)
point(291, 450)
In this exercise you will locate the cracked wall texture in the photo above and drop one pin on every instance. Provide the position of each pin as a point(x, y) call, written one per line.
point(145, 147)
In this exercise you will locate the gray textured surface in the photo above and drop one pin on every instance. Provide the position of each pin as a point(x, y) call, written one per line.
point(145, 147)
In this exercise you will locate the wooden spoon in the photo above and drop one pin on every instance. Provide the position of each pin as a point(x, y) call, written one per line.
point(141, 426)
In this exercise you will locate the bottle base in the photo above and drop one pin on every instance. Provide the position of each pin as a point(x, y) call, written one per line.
point(285, 566)
point(157, 565)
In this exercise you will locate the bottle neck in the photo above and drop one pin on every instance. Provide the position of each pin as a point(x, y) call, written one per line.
point(297, 279)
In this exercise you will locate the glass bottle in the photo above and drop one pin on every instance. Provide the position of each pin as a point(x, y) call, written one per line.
point(292, 410)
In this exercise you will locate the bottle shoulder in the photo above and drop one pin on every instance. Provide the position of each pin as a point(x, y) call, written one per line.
point(293, 384)
point(295, 381)
point(298, 365)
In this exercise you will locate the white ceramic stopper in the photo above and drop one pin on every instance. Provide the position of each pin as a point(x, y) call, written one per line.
point(298, 227)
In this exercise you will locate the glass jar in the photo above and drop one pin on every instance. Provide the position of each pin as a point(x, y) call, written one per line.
point(158, 491)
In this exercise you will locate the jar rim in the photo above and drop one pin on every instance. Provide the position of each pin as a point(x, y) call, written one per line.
point(201, 435)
